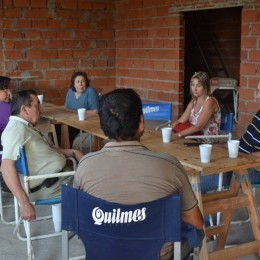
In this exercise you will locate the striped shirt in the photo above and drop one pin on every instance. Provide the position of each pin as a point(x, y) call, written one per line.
point(250, 141)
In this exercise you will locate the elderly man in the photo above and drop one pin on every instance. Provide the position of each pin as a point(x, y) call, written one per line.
point(125, 171)
point(42, 158)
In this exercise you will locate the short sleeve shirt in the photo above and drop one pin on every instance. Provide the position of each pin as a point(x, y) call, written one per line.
point(41, 157)
point(89, 99)
point(129, 173)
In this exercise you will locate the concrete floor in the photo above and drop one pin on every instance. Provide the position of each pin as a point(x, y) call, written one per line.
point(11, 248)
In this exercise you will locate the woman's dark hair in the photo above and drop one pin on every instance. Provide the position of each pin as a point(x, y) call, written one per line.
point(21, 98)
point(120, 114)
point(76, 74)
point(4, 82)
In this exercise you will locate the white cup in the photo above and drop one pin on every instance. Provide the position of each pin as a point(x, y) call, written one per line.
point(56, 217)
point(40, 97)
point(233, 147)
point(205, 152)
point(166, 134)
point(82, 113)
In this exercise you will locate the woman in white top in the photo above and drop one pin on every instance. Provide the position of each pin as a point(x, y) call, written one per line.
point(203, 111)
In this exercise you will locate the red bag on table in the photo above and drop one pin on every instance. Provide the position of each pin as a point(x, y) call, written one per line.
point(181, 126)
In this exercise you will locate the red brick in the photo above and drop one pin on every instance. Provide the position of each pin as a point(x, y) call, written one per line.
point(50, 54)
point(254, 55)
point(8, 23)
point(42, 65)
point(248, 42)
point(22, 44)
point(38, 3)
point(12, 12)
point(247, 94)
point(39, 23)
point(13, 34)
point(87, 5)
point(71, 24)
point(9, 44)
point(80, 54)
point(21, 3)
point(33, 34)
point(13, 54)
point(247, 69)
point(249, 16)
point(71, 44)
point(65, 54)
point(68, 4)
point(54, 24)
point(55, 44)
point(25, 65)
point(61, 34)
point(34, 54)
point(38, 44)
point(48, 34)
point(36, 13)
point(24, 24)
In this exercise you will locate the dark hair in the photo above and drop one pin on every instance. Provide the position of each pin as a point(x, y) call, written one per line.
point(120, 113)
point(204, 80)
point(21, 98)
point(76, 74)
point(4, 82)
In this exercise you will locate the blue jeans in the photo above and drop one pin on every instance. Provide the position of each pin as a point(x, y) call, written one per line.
point(254, 176)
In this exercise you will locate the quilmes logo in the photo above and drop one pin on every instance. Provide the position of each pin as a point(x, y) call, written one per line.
point(117, 216)
point(150, 109)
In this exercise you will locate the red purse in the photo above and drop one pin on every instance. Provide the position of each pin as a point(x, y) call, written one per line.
point(181, 126)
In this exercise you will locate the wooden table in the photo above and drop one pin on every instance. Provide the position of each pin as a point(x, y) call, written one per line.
point(226, 201)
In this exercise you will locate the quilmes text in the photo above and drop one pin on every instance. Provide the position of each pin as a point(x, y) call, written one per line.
point(150, 109)
point(117, 216)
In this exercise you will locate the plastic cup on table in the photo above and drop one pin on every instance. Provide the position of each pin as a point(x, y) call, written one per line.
point(40, 97)
point(82, 114)
point(166, 134)
point(205, 152)
point(233, 147)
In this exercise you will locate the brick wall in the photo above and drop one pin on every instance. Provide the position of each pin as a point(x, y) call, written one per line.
point(150, 49)
point(123, 43)
point(51, 39)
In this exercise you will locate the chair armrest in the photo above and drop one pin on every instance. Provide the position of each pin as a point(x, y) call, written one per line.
point(74, 162)
point(47, 176)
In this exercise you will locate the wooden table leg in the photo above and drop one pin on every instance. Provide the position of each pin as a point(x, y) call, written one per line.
point(251, 207)
point(65, 139)
point(195, 183)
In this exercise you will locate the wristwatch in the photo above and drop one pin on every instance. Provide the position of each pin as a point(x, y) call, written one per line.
point(73, 153)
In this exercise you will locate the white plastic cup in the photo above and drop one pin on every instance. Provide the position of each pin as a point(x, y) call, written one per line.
point(233, 147)
point(166, 134)
point(40, 97)
point(56, 217)
point(82, 113)
point(205, 152)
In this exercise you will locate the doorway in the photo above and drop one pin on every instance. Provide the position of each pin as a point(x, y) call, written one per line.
point(212, 44)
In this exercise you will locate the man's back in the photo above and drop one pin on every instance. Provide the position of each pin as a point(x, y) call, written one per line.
point(128, 173)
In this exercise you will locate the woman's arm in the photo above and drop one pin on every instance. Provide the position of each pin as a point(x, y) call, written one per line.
point(209, 108)
point(185, 116)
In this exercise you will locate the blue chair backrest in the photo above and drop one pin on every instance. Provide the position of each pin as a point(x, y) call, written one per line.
point(157, 111)
point(21, 162)
point(226, 124)
point(115, 231)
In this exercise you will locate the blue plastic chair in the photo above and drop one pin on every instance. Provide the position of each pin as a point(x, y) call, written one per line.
point(115, 231)
point(22, 168)
point(158, 112)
